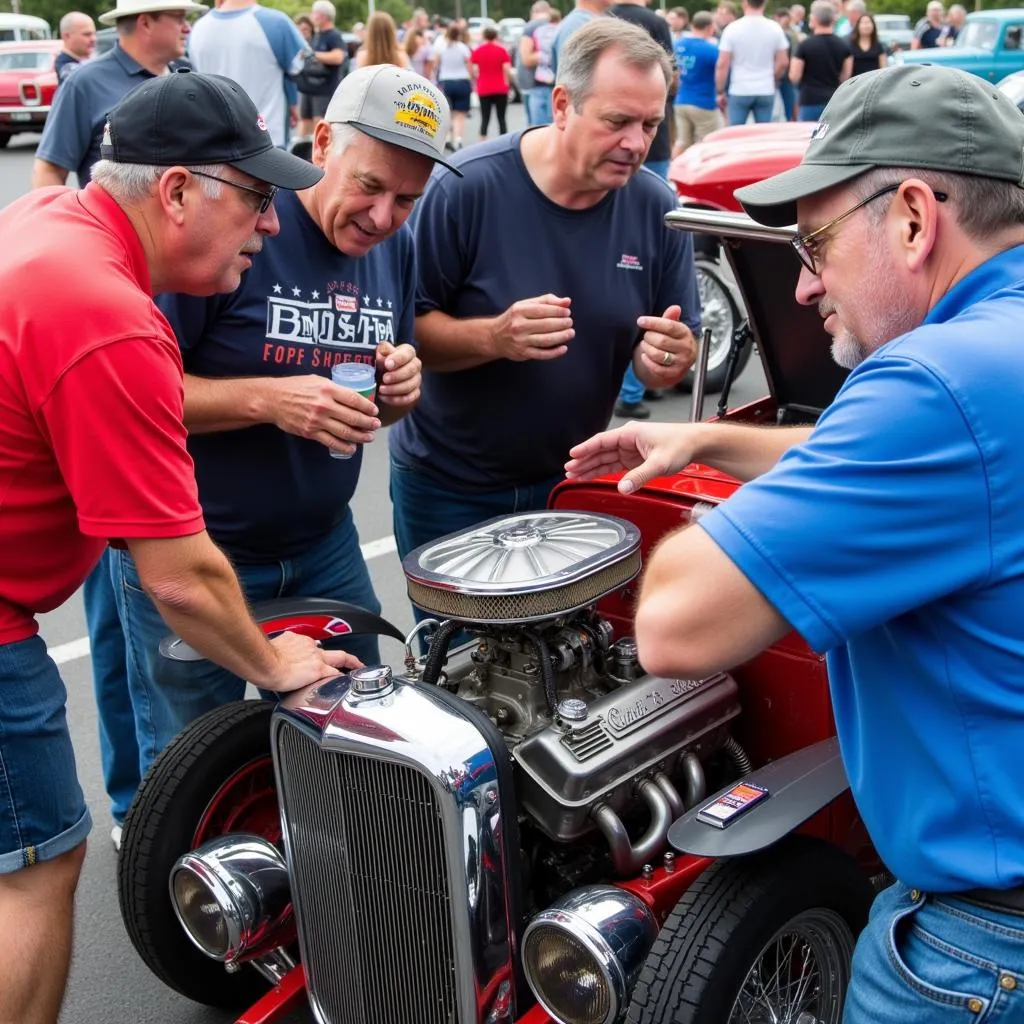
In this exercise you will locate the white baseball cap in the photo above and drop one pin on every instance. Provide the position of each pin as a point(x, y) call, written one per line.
point(129, 8)
point(396, 106)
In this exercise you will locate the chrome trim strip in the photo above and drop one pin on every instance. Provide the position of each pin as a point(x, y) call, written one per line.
point(33, 110)
point(724, 223)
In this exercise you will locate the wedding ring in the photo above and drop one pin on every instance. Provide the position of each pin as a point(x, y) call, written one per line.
point(666, 359)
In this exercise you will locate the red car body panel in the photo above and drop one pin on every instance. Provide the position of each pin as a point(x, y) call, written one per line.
point(26, 94)
point(708, 173)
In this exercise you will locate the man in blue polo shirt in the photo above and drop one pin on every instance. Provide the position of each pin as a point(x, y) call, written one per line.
point(890, 535)
point(150, 35)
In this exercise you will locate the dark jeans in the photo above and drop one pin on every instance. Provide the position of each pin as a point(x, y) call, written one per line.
point(498, 102)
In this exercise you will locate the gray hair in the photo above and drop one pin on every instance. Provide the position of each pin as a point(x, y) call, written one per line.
point(130, 183)
point(855, 7)
point(342, 136)
point(823, 13)
point(326, 8)
point(984, 207)
point(586, 46)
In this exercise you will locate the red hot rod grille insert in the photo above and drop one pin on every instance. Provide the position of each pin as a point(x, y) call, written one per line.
point(370, 888)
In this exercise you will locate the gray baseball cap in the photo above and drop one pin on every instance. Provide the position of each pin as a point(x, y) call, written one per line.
point(912, 115)
point(396, 106)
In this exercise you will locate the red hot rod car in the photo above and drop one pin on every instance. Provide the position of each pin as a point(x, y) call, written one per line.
point(528, 828)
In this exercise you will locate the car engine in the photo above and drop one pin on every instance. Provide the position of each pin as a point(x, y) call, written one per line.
point(606, 756)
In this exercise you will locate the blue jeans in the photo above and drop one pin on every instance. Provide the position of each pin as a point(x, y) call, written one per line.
point(166, 695)
point(119, 751)
point(538, 105)
point(787, 93)
point(812, 113)
point(42, 809)
point(424, 510)
point(632, 390)
point(936, 960)
point(742, 106)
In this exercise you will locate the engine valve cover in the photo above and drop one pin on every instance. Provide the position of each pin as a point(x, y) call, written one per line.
point(523, 568)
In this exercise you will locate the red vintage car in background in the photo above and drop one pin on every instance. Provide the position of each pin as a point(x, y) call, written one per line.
point(514, 829)
point(705, 177)
point(27, 85)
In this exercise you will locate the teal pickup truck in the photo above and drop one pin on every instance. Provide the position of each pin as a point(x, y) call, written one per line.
point(990, 45)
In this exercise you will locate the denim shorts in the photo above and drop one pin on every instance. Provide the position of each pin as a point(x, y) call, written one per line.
point(935, 959)
point(42, 809)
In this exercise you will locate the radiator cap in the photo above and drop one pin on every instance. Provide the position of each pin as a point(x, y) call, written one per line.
point(372, 681)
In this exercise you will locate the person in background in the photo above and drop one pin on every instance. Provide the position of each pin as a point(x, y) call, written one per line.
point(678, 22)
point(527, 57)
point(92, 449)
point(787, 91)
point(583, 12)
point(929, 30)
point(78, 39)
point(696, 54)
point(725, 15)
point(381, 44)
point(797, 22)
point(456, 81)
point(753, 54)
point(955, 18)
point(258, 47)
point(491, 67)
point(544, 36)
point(421, 56)
point(821, 63)
point(304, 23)
point(328, 46)
point(868, 52)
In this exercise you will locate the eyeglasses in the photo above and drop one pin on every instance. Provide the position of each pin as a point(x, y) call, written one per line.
point(266, 198)
point(804, 246)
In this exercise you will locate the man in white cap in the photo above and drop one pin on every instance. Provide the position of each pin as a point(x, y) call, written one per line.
point(150, 34)
point(264, 417)
point(92, 449)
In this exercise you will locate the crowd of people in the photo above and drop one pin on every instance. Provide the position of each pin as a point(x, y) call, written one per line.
point(216, 279)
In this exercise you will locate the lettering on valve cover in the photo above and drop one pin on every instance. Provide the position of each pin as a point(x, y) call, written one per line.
point(660, 695)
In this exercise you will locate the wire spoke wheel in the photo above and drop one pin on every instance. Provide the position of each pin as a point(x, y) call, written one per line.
point(717, 312)
point(801, 974)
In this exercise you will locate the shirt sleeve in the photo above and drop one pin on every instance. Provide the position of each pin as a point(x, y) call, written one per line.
point(67, 133)
point(725, 43)
point(885, 509)
point(115, 420)
point(438, 238)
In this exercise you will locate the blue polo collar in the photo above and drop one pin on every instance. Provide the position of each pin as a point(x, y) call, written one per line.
point(1005, 270)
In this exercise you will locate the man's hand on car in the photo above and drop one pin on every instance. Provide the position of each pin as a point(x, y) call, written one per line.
point(538, 328)
point(302, 662)
point(316, 408)
point(646, 450)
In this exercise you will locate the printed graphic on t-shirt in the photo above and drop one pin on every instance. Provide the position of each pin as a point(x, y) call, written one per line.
point(320, 327)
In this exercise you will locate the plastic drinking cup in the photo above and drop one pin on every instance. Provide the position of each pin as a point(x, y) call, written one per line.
point(361, 377)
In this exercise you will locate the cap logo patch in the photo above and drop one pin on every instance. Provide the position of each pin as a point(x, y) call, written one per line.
point(419, 110)
point(106, 140)
point(820, 131)
point(261, 124)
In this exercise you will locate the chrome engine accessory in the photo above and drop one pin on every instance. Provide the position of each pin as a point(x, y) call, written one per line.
point(230, 895)
point(582, 955)
point(523, 568)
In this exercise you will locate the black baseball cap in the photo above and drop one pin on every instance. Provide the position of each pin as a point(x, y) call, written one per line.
point(189, 118)
point(912, 115)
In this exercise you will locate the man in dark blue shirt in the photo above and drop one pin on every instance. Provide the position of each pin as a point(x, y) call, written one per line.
point(544, 272)
point(337, 284)
point(151, 34)
point(78, 34)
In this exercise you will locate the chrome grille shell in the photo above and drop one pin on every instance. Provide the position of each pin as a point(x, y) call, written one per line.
point(392, 819)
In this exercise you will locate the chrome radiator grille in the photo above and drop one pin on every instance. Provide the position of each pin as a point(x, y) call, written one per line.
point(371, 890)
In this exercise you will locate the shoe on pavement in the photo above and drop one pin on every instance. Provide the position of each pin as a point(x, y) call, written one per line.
point(651, 395)
point(115, 837)
point(632, 410)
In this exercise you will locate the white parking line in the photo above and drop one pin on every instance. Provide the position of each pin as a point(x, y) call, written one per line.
point(75, 649)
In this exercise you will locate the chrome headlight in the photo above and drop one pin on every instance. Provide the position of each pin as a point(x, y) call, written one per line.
point(230, 895)
point(583, 954)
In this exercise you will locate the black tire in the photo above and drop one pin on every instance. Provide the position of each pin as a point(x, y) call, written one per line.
point(160, 827)
point(727, 920)
point(719, 312)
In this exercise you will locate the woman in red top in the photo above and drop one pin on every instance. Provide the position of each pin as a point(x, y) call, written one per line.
point(492, 70)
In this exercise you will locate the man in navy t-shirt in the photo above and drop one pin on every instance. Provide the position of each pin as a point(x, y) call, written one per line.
point(336, 285)
point(544, 272)
point(78, 34)
point(890, 535)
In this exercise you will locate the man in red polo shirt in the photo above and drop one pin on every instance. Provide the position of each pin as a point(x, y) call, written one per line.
point(92, 449)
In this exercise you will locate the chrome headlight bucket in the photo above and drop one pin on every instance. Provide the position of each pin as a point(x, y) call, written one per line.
point(231, 895)
point(583, 954)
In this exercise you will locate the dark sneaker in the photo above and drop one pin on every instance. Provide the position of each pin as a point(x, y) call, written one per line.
point(653, 396)
point(632, 410)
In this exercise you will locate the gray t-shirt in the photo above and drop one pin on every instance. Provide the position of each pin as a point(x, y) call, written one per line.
point(573, 20)
point(525, 78)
